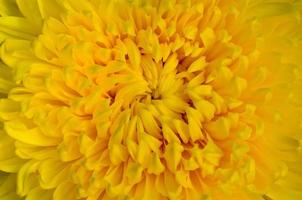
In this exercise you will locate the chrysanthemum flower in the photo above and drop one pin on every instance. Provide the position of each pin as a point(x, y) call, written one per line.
point(150, 99)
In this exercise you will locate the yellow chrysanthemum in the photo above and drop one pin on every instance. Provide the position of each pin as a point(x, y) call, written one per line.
point(150, 99)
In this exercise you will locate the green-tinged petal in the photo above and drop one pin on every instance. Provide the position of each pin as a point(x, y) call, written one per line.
point(63, 189)
point(49, 9)
point(8, 187)
point(9, 8)
point(269, 9)
point(30, 10)
point(15, 27)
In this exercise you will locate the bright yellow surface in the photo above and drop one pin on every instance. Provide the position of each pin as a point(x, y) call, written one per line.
point(150, 99)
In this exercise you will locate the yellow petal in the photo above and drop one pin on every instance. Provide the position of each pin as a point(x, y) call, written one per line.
point(143, 153)
point(190, 32)
point(194, 123)
point(155, 166)
point(53, 173)
point(134, 55)
point(183, 178)
point(182, 129)
point(134, 172)
point(170, 65)
point(9, 109)
point(149, 123)
point(117, 154)
point(208, 37)
point(212, 153)
point(172, 188)
point(14, 49)
point(169, 134)
point(34, 136)
point(197, 65)
point(173, 155)
point(219, 129)
point(37, 192)
point(205, 108)
point(24, 181)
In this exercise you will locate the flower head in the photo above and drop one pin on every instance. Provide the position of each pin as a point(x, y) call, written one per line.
point(150, 99)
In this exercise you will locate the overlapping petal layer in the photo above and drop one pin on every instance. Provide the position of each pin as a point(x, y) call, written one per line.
point(171, 99)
